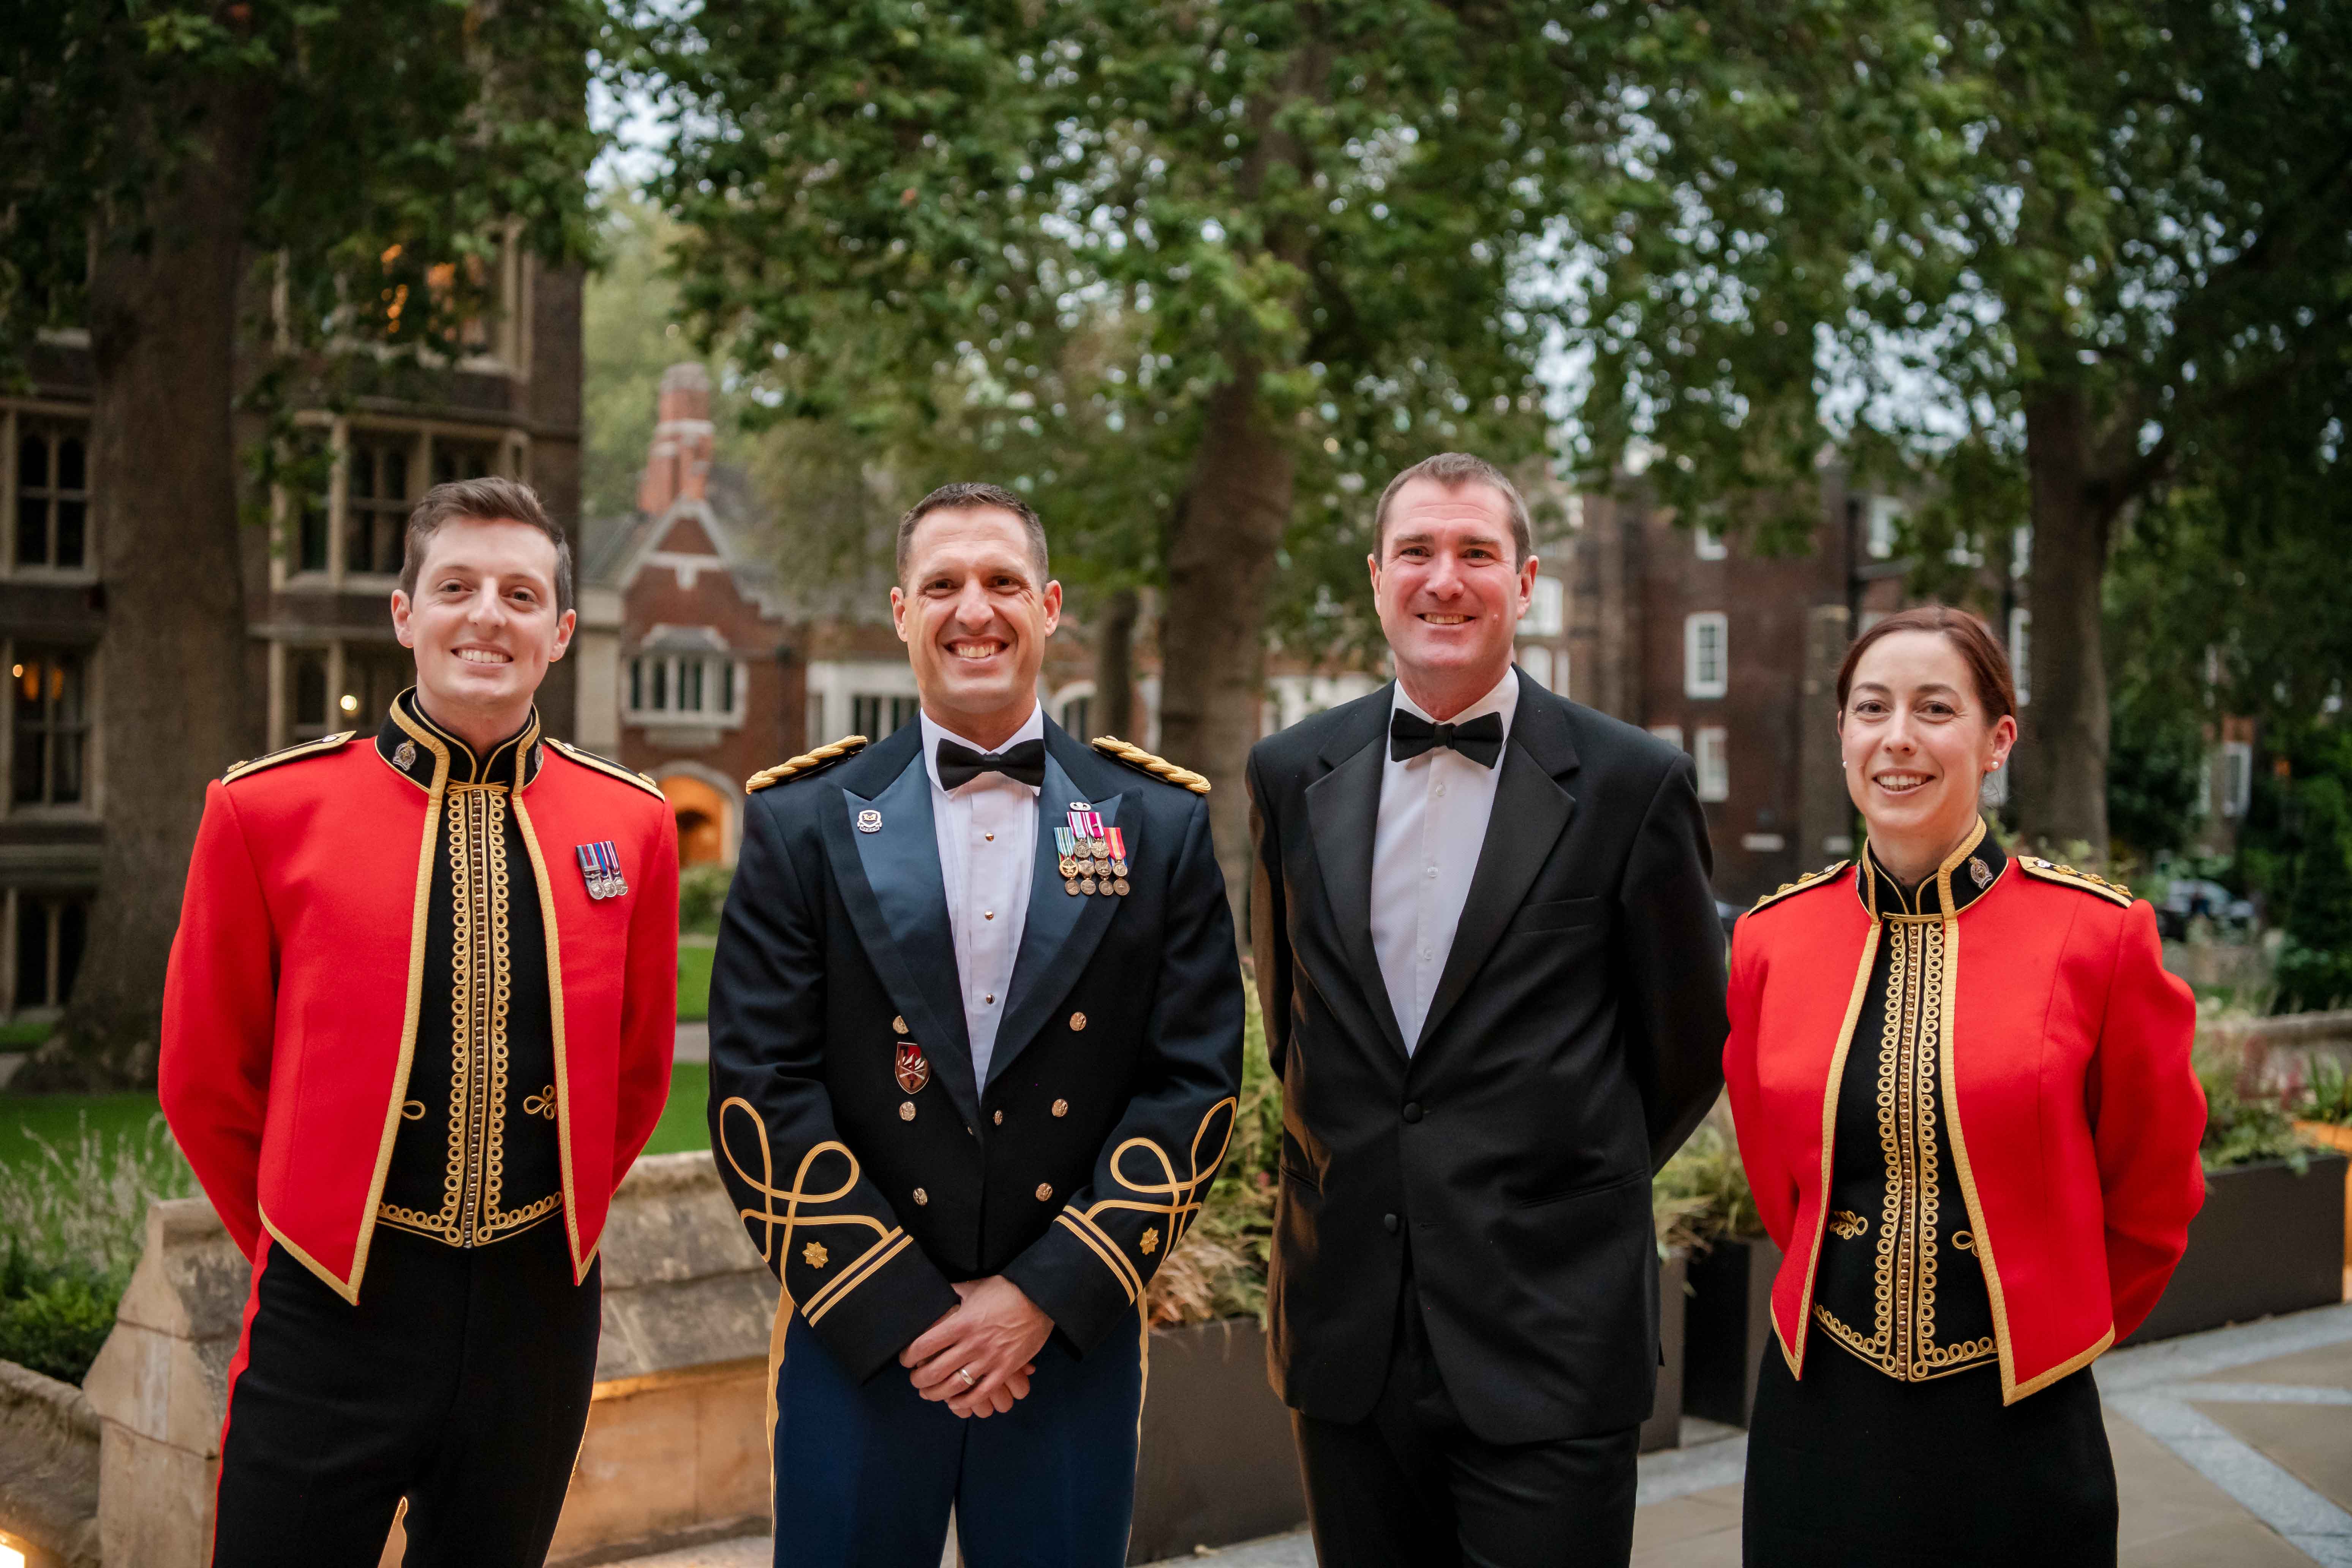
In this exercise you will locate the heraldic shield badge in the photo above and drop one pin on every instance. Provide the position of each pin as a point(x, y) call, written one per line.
point(914, 1070)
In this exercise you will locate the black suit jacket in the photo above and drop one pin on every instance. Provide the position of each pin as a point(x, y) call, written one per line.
point(1575, 1039)
point(1075, 1169)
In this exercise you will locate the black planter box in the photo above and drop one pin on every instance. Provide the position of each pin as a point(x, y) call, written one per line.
point(2266, 1241)
point(1217, 1463)
point(1728, 1328)
point(1664, 1430)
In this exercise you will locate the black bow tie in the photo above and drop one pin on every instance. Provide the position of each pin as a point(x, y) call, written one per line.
point(1480, 740)
point(1024, 761)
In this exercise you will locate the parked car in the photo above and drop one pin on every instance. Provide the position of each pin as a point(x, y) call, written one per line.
point(2190, 898)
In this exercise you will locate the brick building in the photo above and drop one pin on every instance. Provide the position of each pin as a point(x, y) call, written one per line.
point(321, 656)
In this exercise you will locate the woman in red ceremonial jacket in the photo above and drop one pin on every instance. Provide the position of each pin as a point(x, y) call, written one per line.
point(1964, 1099)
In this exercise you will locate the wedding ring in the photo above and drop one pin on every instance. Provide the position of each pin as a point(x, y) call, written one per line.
point(965, 1373)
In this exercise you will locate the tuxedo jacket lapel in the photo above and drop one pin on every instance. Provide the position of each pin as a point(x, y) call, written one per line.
point(1531, 810)
point(1343, 807)
point(897, 896)
point(1062, 929)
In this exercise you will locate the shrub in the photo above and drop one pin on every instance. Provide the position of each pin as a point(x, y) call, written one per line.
point(2327, 1096)
point(701, 895)
point(75, 1221)
point(1218, 1270)
point(1702, 1196)
point(2243, 1129)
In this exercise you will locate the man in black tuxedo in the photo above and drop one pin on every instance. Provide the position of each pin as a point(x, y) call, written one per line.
point(1493, 983)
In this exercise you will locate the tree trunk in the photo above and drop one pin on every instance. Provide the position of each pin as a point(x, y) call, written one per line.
point(1221, 564)
point(1115, 667)
point(2059, 778)
point(170, 715)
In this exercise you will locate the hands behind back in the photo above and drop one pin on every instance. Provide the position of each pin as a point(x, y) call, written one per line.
point(995, 1334)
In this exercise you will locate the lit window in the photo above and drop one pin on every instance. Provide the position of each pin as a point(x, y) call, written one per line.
point(1547, 614)
point(1713, 753)
point(1706, 659)
point(52, 727)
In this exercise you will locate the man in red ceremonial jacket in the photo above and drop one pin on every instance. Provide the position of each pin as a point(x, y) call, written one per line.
point(417, 1027)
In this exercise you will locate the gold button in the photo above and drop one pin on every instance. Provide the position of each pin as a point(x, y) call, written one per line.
point(906, 1111)
point(921, 1197)
point(1045, 1192)
point(1061, 1108)
point(898, 1023)
point(1000, 1119)
point(1078, 1021)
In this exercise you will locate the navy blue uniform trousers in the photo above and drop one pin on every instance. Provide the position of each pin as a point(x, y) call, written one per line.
point(865, 1472)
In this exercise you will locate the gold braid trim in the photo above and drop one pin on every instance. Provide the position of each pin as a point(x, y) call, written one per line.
point(1179, 1200)
point(776, 1248)
point(294, 753)
point(1135, 756)
point(806, 762)
point(2067, 877)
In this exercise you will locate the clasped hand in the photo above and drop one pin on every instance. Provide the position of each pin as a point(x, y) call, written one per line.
point(994, 1333)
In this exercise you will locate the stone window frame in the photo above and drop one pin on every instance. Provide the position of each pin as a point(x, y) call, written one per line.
point(15, 413)
point(288, 569)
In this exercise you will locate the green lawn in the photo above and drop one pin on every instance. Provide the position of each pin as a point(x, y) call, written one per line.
point(23, 1036)
point(693, 980)
point(58, 1118)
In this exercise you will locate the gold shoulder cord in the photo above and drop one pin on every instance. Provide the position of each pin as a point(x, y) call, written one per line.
point(1161, 768)
point(318, 748)
point(608, 766)
point(2081, 882)
point(806, 762)
point(1810, 879)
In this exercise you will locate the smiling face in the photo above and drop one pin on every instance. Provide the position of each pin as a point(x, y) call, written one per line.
point(975, 617)
point(1450, 591)
point(484, 624)
point(1916, 740)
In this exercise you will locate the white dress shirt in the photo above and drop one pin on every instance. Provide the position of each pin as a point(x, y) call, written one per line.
point(1433, 823)
point(988, 842)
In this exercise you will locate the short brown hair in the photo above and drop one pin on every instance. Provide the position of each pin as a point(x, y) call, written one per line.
point(1454, 469)
point(1988, 663)
point(491, 500)
point(969, 494)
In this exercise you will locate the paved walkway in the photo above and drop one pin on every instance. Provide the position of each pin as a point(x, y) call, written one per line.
point(2233, 1449)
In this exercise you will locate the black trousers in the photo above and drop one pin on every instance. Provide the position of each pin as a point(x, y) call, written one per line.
point(459, 1382)
point(1412, 1486)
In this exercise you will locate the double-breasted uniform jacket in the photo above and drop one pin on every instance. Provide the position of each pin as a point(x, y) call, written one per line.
point(1571, 1045)
point(396, 999)
point(1967, 1112)
point(1078, 1164)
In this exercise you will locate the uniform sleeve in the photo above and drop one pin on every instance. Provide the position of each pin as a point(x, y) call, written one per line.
point(1090, 1269)
point(1269, 925)
point(850, 1271)
point(1671, 991)
point(2148, 1117)
point(1776, 1194)
point(220, 1007)
point(649, 999)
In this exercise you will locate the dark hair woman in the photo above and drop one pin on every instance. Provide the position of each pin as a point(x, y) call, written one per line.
point(1963, 1094)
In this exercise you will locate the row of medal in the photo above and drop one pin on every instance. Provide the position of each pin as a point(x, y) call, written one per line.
point(1094, 857)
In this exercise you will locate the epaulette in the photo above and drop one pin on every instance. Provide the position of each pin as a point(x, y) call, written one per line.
point(1810, 879)
point(2066, 876)
point(295, 753)
point(1161, 768)
point(807, 763)
point(608, 766)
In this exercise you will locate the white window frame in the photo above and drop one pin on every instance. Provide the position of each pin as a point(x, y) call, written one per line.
point(1671, 734)
point(286, 569)
point(1882, 514)
point(2237, 777)
point(2020, 653)
point(673, 664)
point(1698, 680)
point(1708, 544)
point(1547, 614)
point(1711, 749)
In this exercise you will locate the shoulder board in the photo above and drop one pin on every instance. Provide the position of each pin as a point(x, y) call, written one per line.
point(1161, 768)
point(318, 748)
point(2066, 876)
point(807, 763)
point(608, 766)
point(1820, 879)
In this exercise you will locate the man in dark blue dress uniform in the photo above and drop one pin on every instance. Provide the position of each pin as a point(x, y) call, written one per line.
point(975, 1038)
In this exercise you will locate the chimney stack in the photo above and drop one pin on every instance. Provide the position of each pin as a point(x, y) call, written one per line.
point(677, 464)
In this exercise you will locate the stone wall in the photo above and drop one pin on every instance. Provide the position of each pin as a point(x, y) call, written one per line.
point(48, 1470)
point(676, 1450)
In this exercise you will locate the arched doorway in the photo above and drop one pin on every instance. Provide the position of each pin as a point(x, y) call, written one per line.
point(701, 813)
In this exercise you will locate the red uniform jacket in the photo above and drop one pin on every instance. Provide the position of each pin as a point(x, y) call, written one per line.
point(2075, 1114)
point(290, 1009)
